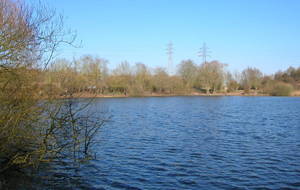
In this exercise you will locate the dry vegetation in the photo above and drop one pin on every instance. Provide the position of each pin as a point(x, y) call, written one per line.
point(34, 127)
point(89, 76)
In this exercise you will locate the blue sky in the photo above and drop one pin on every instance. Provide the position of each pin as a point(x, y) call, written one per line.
point(257, 33)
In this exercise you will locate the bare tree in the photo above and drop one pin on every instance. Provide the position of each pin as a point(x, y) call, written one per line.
point(251, 78)
point(211, 76)
point(94, 71)
point(187, 70)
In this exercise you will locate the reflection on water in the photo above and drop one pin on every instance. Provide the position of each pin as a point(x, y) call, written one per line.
point(187, 143)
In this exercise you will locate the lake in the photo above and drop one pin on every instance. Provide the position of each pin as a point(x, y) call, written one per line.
point(190, 143)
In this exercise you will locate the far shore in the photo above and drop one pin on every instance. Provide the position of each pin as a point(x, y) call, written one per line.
point(240, 93)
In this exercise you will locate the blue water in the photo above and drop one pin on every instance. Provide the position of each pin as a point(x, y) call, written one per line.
point(192, 143)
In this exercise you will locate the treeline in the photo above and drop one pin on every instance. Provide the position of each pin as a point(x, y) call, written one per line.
point(90, 75)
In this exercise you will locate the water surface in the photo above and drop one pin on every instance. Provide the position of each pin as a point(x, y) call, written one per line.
point(192, 143)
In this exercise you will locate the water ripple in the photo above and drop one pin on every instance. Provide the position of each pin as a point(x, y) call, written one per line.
point(192, 143)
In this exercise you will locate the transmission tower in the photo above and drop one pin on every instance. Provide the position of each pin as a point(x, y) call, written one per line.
point(204, 52)
point(170, 57)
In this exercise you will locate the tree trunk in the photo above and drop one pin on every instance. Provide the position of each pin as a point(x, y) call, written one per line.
point(207, 90)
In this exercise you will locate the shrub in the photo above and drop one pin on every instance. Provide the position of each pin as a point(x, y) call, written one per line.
point(282, 89)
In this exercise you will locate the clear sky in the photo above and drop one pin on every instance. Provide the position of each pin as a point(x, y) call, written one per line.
point(257, 33)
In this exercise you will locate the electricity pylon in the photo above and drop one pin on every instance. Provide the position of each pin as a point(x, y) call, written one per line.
point(170, 57)
point(204, 53)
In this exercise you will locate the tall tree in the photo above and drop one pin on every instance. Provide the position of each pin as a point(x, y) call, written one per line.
point(142, 77)
point(160, 81)
point(95, 71)
point(187, 70)
point(251, 78)
point(211, 76)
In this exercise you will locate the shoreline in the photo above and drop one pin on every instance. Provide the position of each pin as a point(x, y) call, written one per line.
point(90, 95)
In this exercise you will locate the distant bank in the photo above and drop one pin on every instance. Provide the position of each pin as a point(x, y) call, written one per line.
point(239, 93)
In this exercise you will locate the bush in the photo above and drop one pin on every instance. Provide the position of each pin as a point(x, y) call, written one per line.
point(282, 89)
